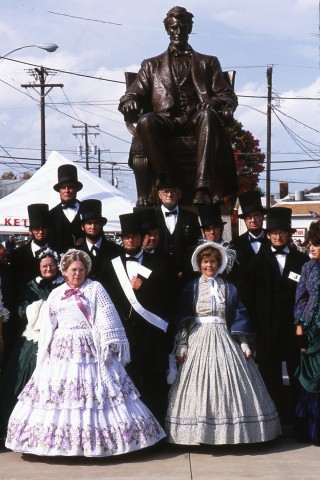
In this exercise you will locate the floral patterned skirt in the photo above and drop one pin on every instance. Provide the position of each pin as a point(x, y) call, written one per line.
point(218, 397)
point(78, 404)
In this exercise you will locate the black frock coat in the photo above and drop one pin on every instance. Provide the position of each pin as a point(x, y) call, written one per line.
point(270, 299)
point(245, 254)
point(185, 235)
point(64, 234)
point(106, 252)
point(149, 346)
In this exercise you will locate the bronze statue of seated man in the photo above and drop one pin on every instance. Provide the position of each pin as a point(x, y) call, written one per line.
point(183, 92)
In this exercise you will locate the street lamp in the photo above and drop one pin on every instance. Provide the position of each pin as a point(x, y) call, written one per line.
point(49, 47)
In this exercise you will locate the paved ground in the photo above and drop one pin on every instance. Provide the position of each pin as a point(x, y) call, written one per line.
point(281, 459)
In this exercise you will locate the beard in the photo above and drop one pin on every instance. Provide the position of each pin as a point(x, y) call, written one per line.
point(94, 238)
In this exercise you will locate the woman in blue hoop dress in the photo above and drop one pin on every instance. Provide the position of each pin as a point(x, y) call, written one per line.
point(218, 396)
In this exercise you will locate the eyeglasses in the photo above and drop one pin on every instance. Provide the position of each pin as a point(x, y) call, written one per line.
point(48, 267)
point(253, 217)
point(77, 270)
point(278, 234)
point(170, 191)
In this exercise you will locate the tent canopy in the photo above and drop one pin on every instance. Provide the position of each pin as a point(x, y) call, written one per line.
point(39, 189)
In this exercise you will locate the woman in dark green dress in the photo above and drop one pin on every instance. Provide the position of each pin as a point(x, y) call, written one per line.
point(307, 319)
point(31, 308)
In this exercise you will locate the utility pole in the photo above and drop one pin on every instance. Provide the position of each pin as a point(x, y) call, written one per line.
point(86, 134)
point(99, 163)
point(40, 75)
point(269, 111)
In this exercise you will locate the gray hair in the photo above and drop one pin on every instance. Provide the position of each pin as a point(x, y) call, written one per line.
point(73, 255)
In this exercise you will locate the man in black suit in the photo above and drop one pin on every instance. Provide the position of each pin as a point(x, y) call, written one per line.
point(95, 244)
point(24, 265)
point(271, 281)
point(248, 244)
point(65, 231)
point(142, 293)
point(179, 228)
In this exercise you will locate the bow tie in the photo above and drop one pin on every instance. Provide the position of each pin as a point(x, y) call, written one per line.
point(280, 251)
point(180, 53)
point(259, 239)
point(69, 205)
point(172, 212)
point(132, 259)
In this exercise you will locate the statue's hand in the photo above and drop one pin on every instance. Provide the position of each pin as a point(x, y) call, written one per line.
point(213, 104)
point(129, 106)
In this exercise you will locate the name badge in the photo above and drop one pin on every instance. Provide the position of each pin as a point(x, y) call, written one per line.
point(144, 271)
point(294, 276)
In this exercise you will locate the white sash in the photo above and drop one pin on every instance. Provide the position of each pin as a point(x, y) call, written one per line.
point(129, 293)
point(211, 319)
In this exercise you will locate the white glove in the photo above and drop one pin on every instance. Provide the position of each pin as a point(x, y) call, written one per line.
point(245, 349)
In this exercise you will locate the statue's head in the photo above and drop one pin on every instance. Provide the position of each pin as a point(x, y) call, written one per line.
point(181, 15)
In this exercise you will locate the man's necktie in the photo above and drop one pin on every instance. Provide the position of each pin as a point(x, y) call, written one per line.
point(173, 212)
point(94, 250)
point(40, 251)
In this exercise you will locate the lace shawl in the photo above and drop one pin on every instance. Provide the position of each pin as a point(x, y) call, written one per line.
point(107, 330)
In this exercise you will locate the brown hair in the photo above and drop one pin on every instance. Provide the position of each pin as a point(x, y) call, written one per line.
point(207, 252)
point(313, 234)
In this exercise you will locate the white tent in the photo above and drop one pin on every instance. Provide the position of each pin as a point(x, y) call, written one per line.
point(39, 189)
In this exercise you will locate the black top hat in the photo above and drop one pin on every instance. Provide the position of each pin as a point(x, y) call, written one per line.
point(67, 173)
point(251, 202)
point(38, 214)
point(130, 223)
point(148, 218)
point(167, 179)
point(210, 215)
point(279, 218)
point(91, 209)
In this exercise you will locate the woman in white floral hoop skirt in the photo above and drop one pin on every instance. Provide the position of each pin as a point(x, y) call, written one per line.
point(80, 400)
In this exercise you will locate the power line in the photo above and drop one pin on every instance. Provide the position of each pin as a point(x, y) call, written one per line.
point(84, 18)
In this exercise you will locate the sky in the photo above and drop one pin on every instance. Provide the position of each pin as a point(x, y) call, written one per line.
point(101, 39)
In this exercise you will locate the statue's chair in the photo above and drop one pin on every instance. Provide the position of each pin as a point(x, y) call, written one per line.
point(182, 154)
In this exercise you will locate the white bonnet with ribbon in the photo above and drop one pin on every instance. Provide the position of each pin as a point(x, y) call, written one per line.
point(204, 246)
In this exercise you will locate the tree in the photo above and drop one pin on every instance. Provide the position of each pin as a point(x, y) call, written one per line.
point(26, 176)
point(249, 163)
point(248, 155)
point(8, 176)
point(249, 159)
